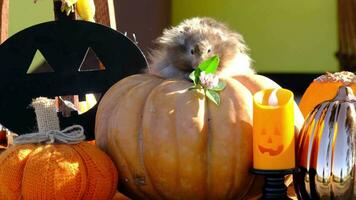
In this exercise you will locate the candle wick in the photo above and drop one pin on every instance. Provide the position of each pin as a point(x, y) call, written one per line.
point(273, 99)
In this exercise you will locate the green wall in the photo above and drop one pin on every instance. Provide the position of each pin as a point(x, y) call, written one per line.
point(283, 35)
point(25, 13)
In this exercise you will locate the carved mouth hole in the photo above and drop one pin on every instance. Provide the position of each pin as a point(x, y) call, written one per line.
point(78, 104)
point(6, 138)
point(3, 138)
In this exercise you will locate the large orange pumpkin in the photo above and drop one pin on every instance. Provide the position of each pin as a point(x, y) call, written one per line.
point(56, 171)
point(324, 88)
point(171, 143)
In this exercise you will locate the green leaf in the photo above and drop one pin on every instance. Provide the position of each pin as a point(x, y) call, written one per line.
point(213, 96)
point(192, 76)
point(221, 85)
point(210, 65)
point(197, 73)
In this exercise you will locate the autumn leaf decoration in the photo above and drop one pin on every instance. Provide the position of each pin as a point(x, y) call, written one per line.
point(204, 77)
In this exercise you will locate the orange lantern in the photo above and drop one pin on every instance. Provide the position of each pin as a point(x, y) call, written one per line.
point(273, 130)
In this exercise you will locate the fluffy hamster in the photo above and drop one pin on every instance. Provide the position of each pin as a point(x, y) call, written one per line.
point(180, 49)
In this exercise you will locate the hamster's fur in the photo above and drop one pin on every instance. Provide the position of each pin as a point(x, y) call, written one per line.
point(181, 48)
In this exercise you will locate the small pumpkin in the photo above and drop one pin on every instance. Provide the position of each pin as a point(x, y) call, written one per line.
point(324, 88)
point(170, 143)
point(326, 153)
point(59, 171)
point(55, 171)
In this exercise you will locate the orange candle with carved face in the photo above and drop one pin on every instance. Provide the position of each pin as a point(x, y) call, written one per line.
point(273, 130)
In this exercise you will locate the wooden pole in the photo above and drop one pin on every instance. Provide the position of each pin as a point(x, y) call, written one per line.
point(347, 35)
point(4, 20)
point(4, 32)
point(60, 101)
point(105, 13)
point(59, 15)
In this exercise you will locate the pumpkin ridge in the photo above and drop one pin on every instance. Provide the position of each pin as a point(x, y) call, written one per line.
point(114, 178)
point(93, 190)
point(5, 158)
point(224, 127)
point(230, 193)
point(302, 138)
point(52, 156)
point(105, 108)
point(207, 122)
point(140, 142)
point(211, 141)
point(317, 127)
point(89, 191)
point(166, 110)
point(141, 154)
point(179, 133)
point(149, 96)
point(112, 123)
point(177, 152)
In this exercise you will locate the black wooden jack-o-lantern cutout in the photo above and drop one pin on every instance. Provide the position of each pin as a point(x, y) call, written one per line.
point(63, 44)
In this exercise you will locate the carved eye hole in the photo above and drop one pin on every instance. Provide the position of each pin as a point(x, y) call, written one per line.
point(192, 51)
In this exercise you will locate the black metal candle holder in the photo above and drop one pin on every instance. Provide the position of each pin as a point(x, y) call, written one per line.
point(274, 187)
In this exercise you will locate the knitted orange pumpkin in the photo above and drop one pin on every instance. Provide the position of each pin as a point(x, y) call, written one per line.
point(60, 171)
point(56, 171)
point(324, 88)
point(170, 143)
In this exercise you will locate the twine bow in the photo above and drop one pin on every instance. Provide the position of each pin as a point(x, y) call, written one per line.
point(70, 135)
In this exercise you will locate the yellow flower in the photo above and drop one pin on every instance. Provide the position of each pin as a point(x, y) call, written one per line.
point(86, 9)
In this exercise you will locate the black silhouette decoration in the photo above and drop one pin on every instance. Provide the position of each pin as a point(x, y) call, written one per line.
point(64, 45)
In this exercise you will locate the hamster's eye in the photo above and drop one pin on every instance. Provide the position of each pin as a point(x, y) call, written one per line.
point(209, 50)
point(192, 51)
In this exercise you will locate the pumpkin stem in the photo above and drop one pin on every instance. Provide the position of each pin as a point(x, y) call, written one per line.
point(46, 114)
point(48, 126)
point(345, 93)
